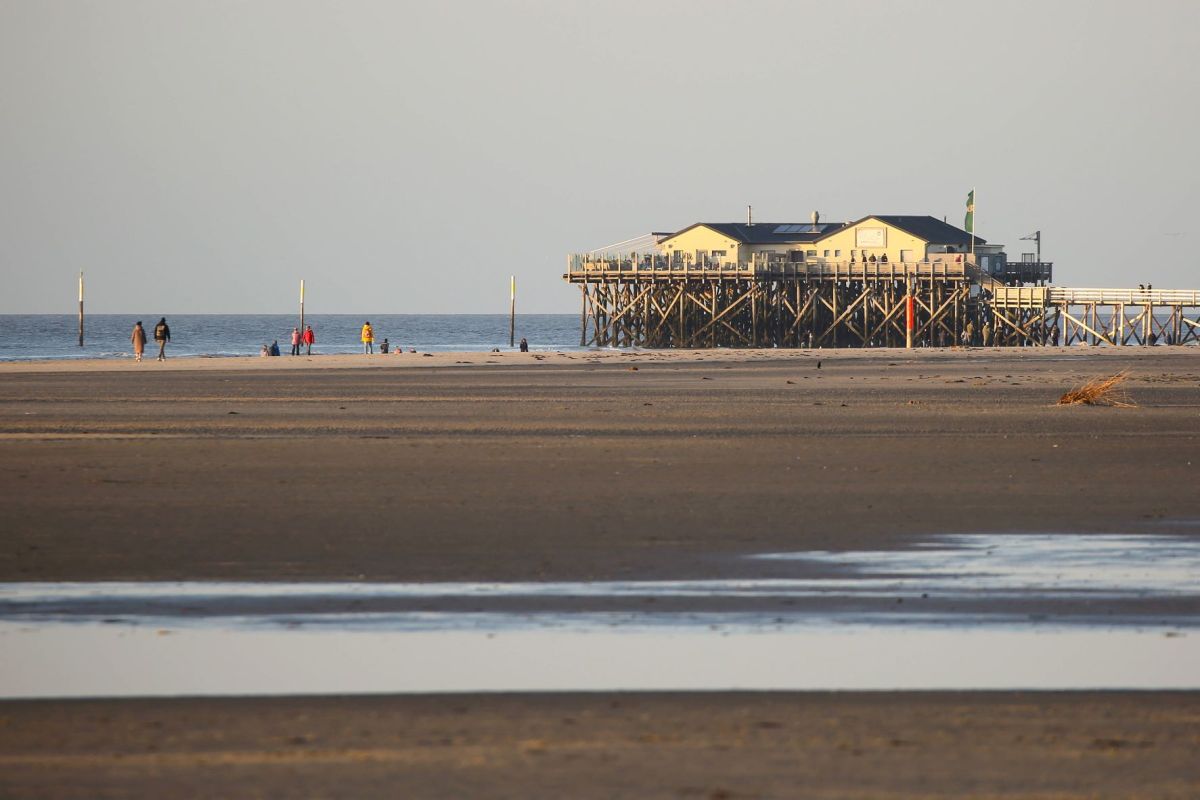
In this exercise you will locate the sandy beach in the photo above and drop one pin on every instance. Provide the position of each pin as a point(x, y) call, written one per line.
point(571, 466)
point(587, 466)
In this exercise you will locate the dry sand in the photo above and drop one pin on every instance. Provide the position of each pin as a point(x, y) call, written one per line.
point(585, 466)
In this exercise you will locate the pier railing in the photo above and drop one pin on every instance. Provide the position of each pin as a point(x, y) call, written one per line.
point(1042, 296)
point(588, 268)
point(1158, 297)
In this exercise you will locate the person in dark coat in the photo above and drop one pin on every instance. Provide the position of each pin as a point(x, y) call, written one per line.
point(162, 335)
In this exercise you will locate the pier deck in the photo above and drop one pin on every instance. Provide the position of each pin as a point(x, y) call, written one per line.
point(651, 301)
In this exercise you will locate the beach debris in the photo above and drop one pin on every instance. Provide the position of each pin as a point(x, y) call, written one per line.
point(633, 369)
point(818, 363)
point(1100, 392)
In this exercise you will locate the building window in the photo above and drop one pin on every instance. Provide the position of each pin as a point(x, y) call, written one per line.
point(812, 253)
point(718, 254)
point(826, 255)
point(837, 253)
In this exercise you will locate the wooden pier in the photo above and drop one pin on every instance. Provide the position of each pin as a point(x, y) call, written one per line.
point(1117, 317)
point(654, 304)
point(657, 303)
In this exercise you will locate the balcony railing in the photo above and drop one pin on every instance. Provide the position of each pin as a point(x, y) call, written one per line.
point(582, 267)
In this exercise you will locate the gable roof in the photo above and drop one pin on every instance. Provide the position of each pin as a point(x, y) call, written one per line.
point(931, 229)
point(768, 232)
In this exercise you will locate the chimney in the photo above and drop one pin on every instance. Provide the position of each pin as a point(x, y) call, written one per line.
point(749, 216)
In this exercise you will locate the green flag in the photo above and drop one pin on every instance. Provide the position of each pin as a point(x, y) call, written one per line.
point(969, 221)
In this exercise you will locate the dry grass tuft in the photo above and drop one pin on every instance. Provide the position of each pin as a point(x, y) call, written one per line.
point(1100, 392)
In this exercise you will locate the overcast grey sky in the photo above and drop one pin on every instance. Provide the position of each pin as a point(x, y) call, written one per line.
point(408, 157)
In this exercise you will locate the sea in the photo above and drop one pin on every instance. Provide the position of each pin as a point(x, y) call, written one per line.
point(56, 336)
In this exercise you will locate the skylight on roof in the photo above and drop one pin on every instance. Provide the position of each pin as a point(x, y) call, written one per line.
point(805, 228)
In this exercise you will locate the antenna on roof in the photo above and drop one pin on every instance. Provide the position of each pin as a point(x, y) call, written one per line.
point(749, 216)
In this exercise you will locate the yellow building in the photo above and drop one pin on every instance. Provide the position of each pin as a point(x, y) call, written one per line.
point(878, 238)
point(742, 244)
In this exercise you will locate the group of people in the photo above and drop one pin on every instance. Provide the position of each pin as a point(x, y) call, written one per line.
point(1040, 334)
point(307, 338)
point(162, 335)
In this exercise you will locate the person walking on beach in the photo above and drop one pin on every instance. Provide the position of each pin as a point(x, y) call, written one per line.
point(295, 341)
point(368, 337)
point(310, 339)
point(162, 335)
point(139, 340)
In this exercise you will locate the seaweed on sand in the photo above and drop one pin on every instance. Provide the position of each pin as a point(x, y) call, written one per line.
point(1100, 392)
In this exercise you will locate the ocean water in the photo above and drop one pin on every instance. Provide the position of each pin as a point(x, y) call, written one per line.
point(56, 336)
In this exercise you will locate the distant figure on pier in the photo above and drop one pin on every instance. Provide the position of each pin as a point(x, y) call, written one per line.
point(1141, 288)
point(275, 347)
point(264, 352)
point(524, 345)
point(883, 259)
point(383, 346)
point(987, 334)
point(969, 333)
point(368, 337)
point(1054, 334)
point(872, 258)
point(295, 341)
point(162, 335)
point(139, 340)
point(310, 339)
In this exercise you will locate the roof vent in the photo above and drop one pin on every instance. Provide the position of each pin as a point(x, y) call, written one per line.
point(816, 217)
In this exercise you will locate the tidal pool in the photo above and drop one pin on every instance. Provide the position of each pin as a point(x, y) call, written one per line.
point(983, 612)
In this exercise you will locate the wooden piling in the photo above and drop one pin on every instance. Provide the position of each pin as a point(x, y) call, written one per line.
point(81, 308)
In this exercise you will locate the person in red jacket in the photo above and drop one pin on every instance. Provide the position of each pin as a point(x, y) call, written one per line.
point(295, 341)
point(310, 339)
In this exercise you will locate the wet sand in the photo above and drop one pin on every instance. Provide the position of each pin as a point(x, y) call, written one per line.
point(1048, 746)
point(585, 467)
point(573, 467)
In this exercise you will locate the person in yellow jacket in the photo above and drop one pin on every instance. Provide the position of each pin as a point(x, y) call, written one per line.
point(368, 338)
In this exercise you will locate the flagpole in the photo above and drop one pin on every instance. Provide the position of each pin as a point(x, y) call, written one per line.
point(972, 222)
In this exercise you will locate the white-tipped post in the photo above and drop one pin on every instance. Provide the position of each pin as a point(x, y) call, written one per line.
point(81, 308)
point(512, 310)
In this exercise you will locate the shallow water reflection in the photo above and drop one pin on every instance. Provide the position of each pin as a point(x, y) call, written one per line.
point(92, 660)
point(985, 611)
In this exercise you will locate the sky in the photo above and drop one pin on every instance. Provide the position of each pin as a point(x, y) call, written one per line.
point(204, 156)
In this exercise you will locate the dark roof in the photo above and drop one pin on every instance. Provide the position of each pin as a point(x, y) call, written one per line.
point(770, 232)
point(931, 229)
